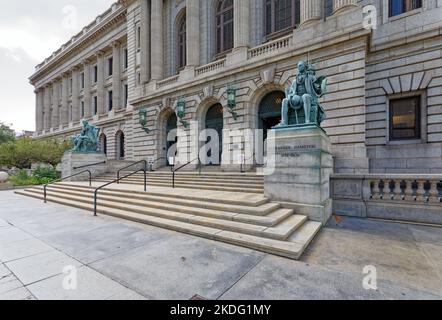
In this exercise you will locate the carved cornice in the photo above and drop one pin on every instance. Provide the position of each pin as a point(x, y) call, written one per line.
point(82, 41)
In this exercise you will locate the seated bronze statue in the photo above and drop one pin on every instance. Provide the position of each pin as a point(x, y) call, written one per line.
point(302, 98)
point(88, 139)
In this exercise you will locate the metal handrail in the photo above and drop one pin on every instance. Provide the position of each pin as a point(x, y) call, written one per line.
point(152, 163)
point(116, 181)
point(185, 165)
point(243, 164)
point(71, 176)
point(129, 166)
point(90, 165)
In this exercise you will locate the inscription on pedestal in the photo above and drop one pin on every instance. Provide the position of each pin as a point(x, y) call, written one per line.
point(293, 151)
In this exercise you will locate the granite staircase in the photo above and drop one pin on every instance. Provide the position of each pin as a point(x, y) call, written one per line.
point(217, 181)
point(222, 207)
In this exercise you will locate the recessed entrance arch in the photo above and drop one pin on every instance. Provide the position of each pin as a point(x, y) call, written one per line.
point(214, 120)
point(269, 114)
point(119, 137)
point(171, 137)
point(103, 143)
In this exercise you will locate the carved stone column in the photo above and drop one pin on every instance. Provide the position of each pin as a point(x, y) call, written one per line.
point(339, 5)
point(145, 35)
point(116, 77)
point(100, 84)
point(193, 32)
point(157, 39)
point(310, 11)
point(47, 108)
point(75, 96)
point(87, 90)
point(241, 9)
point(55, 119)
point(64, 115)
point(39, 110)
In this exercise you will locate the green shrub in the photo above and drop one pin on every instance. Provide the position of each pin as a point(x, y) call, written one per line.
point(39, 177)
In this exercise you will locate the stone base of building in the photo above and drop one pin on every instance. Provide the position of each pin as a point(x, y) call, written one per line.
point(303, 165)
point(72, 161)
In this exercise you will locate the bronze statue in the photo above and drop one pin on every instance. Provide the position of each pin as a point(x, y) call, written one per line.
point(303, 96)
point(88, 139)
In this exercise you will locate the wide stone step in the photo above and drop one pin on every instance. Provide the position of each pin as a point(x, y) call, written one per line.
point(210, 196)
point(259, 210)
point(293, 248)
point(278, 215)
point(193, 186)
point(190, 180)
point(280, 232)
point(203, 175)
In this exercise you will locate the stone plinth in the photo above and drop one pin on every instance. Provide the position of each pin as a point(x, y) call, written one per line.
point(72, 160)
point(303, 165)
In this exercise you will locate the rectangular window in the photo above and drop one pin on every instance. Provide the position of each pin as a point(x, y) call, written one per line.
point(328, 7)
point(71, 115)
point(126, 59)
point(82, 109)
point(110, 66)
point(110, 101)
point(401, 6)
point(126, 94)
point(71, 84)
point(95, 74)
point(405, 118)
point(95, 105)
point(82, 80)
point(138, 40)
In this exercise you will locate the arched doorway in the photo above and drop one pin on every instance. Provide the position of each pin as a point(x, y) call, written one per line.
point(215, 120)
point(103, 143)
point(171, 138)
point(120, 145)
point(269, 114)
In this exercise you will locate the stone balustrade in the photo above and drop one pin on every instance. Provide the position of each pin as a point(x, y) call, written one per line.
point(167, 81)
point(271, 47)
point(406, 188)
point(210, 67)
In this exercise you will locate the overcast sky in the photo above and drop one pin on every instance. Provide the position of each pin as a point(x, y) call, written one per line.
point(29, 32)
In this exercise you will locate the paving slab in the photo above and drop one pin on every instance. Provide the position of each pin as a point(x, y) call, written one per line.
point(17, 294)
point(91, 285)
point(281, 279)
point(22, 249)
point(10, 234)
point(3, 223)
point(41, 266)
point(180, 267)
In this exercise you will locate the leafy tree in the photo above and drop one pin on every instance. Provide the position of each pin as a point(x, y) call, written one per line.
point(23, 152)
point(6, 133)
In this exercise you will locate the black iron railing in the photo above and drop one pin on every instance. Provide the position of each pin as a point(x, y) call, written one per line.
point(183, 166)
point(242, 167)
point(117, 181)
point(90, 165)
point(71, 176)
point(132, 165)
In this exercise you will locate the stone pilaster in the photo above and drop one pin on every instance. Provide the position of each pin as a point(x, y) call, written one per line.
point(64, 114)
point(193, 32)
point(39, 110)
point(75, 95)
point(241, 23)
point(87, 90)
point(310, 11)
point(145, 41)
point(55, 116)
point(47, 108)
point(100, 84)
point(116, 78)
point(340, 5)
point(157, 39)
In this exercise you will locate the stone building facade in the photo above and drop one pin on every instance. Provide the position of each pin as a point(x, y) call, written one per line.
point(384, 102)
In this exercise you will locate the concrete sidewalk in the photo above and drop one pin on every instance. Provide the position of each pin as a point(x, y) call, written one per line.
point(116, 259)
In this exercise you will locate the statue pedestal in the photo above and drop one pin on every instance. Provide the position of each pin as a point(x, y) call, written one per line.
point(71, 160)
point(303, 165)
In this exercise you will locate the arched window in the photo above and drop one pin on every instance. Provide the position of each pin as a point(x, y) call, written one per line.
point(103, 143)
point(281, 15)
point(224, 26)
point(182, 58)
point(120, 145)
